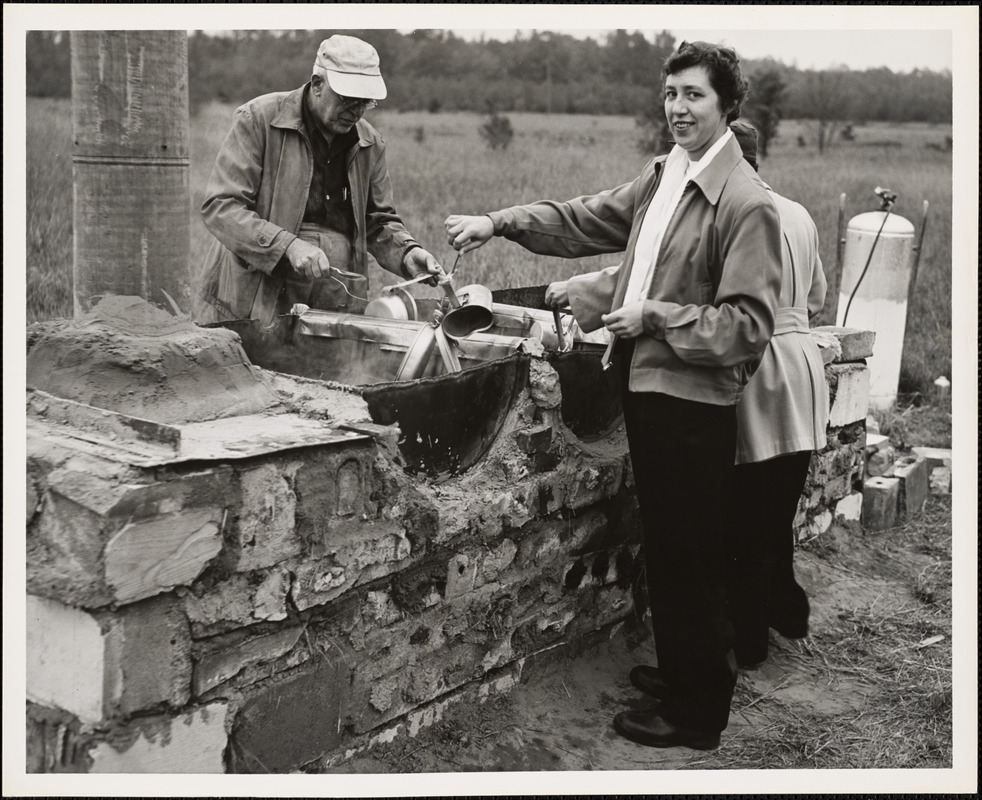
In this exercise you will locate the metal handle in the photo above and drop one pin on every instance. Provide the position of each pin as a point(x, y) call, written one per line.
point(419, 278)
point(608, 354)
point(560, 334)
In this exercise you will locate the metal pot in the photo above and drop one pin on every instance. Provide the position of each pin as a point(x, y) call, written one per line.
point(394, 303)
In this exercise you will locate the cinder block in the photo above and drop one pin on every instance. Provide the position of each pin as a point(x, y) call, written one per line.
point(850, 395)
point(881, 500)
point(192, 743)
point(912, 471)
point(941, 480)
point(935, 456)
point(875, 441)
point(100, 665)
point(850, 508)
point(880, 461)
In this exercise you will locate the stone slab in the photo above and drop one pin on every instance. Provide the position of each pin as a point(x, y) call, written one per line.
point(855, 343)
point(935, 456)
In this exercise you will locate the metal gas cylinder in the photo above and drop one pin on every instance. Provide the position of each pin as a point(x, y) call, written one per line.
point(876, 271)
point(888, 273)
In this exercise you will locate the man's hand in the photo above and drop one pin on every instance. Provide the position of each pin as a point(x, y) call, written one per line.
point(417, 262)
point(627, 321)
point(468, 233)
point(307, 260)
point(557, 295)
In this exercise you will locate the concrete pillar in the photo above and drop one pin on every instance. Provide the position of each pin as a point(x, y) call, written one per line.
point(131, 166)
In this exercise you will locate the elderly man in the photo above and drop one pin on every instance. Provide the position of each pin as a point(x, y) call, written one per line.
point(300, 195)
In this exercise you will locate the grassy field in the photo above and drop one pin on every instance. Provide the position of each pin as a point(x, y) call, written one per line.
point(440, 165)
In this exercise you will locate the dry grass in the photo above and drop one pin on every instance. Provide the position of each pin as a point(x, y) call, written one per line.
point(49, 210)
point(923, 421)
point(897, 649)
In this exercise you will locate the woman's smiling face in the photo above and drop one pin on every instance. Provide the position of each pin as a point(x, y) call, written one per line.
point(693, 111)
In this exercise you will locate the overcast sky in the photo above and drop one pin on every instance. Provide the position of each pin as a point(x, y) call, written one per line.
point(901, 37)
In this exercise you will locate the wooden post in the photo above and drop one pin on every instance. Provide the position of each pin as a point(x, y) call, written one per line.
point(131, 166)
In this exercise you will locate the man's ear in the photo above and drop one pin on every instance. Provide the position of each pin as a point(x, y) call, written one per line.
point(316, 82)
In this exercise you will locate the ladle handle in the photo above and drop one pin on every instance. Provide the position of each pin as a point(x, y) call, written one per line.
point(560, 336)
point(451, 293)
point(419, 278)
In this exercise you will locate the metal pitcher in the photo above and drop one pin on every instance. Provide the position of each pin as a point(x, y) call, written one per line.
point(473, 315)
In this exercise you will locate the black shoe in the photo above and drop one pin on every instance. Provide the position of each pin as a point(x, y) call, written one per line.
point(789, 616)
point(750, 657)
point(648, 728)
point(649, 680)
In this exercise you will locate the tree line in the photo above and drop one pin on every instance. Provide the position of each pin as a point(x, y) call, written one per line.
point(540, 71)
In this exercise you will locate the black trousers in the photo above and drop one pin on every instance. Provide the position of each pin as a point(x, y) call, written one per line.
point(760, 576)
point(682, 455)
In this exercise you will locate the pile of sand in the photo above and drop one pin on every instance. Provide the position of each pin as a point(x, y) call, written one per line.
point(129, 356)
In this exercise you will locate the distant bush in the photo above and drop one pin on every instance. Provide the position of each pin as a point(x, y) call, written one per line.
point(497, 131)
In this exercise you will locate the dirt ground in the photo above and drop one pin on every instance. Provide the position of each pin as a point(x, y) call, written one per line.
point(870, 687)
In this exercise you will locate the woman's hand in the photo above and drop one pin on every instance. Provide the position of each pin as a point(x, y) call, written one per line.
point(557, 295)
point(468, 233)
point(627, 321)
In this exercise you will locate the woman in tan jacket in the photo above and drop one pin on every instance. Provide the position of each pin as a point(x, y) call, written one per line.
point(781, 419)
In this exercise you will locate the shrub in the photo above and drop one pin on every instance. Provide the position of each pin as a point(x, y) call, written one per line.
point(497, 131)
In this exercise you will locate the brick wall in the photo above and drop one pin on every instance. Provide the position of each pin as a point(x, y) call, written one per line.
point(262, 614)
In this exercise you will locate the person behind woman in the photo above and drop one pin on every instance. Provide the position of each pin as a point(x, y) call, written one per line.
point(781, 419)
point(692, 306)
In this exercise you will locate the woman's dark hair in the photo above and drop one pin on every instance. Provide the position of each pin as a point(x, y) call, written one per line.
point(723, 66)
